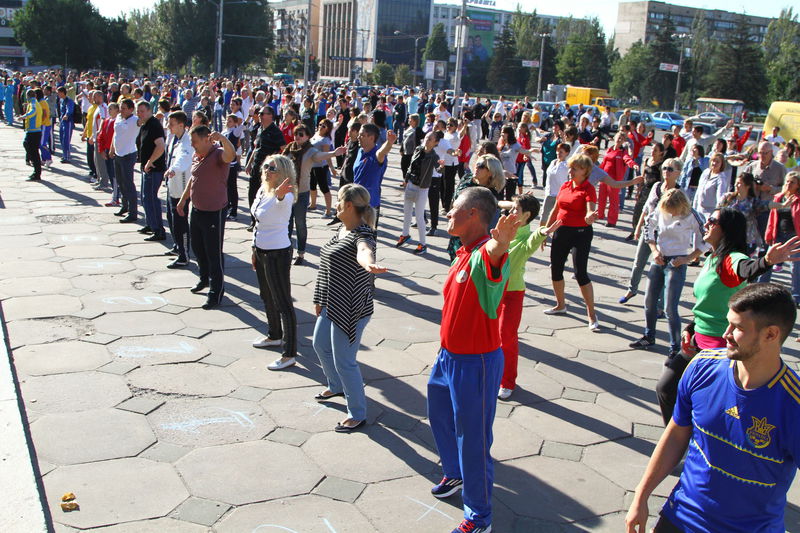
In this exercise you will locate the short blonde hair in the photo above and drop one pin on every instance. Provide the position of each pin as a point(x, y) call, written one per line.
point(674, 163)
point(359, 196)
point(497, 181)
point(286, 170)
point(675, 201)
point(582, 162)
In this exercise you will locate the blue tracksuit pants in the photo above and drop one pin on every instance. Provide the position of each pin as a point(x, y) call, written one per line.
point(65, 136)
point(462, 398)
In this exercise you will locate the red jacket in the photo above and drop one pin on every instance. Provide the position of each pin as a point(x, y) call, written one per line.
point(740, 140)
point(638, 141)
point(772, 225)
point(679, 143)
point(615, 161)
point(525, 142)
point(105, 135)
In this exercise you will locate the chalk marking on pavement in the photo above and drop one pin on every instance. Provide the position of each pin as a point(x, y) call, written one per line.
point(274, 526)
point(144, 300)
point(429, 509)
point(330, 527)
point(135, 352)
point(98, 265)
point(78, 238)
point(192, 425)
point(319, 407)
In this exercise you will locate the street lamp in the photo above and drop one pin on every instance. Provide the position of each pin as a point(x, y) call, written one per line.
point(541, 65)
point(680, 37)
point(416, 48)
point(220, 6)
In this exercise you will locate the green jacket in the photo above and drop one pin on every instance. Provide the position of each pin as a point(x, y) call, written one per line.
point(521, 248)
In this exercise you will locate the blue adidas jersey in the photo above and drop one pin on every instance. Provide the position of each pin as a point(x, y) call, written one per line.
point(743, 452)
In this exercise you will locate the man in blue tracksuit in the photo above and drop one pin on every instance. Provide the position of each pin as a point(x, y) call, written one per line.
point(66, 109)
point(9, 103)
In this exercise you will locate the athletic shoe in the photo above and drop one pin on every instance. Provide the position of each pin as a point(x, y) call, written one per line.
point(628, 296)
point(594, 326)
point(644, 342)
point(468, 526)
point(298, 260)
point(504, 394)
point(447, 487)
point(402, 240)
point(431, 232)
point(420, 249)
point(278, 364)
point(555, 311)
point(112, 204)
point(128, 220)
point(178, 263)
point(266, 342)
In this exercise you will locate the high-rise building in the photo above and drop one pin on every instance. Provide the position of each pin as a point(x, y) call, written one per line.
point(641, 21)
point(11, 51)
point(290, 21)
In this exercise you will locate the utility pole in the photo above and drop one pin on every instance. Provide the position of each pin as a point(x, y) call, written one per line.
point(676, 106)
point(461, 39)
point(541, 65)
point(218, 61)
point(306, 65)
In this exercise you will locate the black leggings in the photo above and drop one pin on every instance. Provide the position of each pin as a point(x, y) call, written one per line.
point(667, 386)
point(272, 270)
point(319, 178)
point(565, 239)
point(233, 190)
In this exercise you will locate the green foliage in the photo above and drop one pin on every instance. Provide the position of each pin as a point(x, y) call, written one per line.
point(72, 32)
point(737, 69)
point(702, 51)
point(659, 85)
point(403, 75)
point(383, 73)
point(527, 28)
point(506, 74)
point(475, 77)
point(781, 44)
point(627, 72)
point(436, 47)
point(583, 60)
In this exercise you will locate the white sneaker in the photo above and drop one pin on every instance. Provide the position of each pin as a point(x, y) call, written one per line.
point(504, 394)
point(556, 311)
point(594, 326)
point(266, 342)
point(279, 364)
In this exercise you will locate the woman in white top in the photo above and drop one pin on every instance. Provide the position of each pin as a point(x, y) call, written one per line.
point(509, 149)
point(319, 173)
point(557, 176)
point(712, 187)
point(272, 256)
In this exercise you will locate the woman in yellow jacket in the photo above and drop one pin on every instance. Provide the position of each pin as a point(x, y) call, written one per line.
point(32, 122)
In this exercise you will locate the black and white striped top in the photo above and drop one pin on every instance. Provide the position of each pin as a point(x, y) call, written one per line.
point(343, 287)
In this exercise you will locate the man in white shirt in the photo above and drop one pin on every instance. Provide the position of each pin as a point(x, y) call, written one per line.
point(179, 165)
point(775, 139)
point(501, 107)
point(126, 129)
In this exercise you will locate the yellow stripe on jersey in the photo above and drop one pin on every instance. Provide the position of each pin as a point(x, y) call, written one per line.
point(776, 378)
point(734, 476)
point(791, 388)
point(791, 375)
point(741, 449)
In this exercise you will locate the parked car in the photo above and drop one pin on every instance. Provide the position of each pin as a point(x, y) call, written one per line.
point(638, 117)
point(665, 120)
point(712, 117)
point(545, 111)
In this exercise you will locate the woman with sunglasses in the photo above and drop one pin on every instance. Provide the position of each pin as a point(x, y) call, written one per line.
point(304, 155)
point(724, 272)
point(670, 171)
point(272, 256)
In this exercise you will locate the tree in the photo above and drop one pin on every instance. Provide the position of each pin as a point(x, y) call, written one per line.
point(436, 48)
point(383, 73)
point(626, 73)
point(737, 68)
point(701, 49)
point(780, 52)
point(583, 60)
point(527, 29)
point(658, 85)
point(403, 76)
point(505, 68)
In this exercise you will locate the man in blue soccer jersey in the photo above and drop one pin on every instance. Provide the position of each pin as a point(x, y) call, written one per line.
point(738, 413)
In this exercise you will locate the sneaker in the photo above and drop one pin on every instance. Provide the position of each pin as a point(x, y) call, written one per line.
point(402, 240)
point(112, 204)
point(266, 342)
point(160, 236)
point(594, 326)
point(468, 526)
point(431, 232)
point(447, 487)
point(504, 394)
point(420, 249)
point(178, 263)
point(556, 311)
point(280, 364)
point(298, 260)
point(644, 342)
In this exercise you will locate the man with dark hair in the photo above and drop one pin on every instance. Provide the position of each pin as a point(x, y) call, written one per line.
point(179, 165)
point(269, 142)
point(208, 190)
point(66, 111)
point(371, 163)
point(123, 148)
point(737, 412)
point(151, 145)
point(464, 380)
point(32, 122)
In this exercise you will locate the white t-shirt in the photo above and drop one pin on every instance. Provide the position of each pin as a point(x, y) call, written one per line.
point(441, 150)
point(454, 141)
point(557, 176)
point(272, 219)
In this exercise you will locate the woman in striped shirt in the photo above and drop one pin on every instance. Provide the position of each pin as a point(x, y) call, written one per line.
point(343, 299)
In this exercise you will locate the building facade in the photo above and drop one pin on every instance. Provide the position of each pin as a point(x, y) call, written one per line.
point(11, 51)
point(640, 21)
point(290, 22)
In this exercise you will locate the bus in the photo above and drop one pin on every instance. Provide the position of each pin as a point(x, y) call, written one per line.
point(732, 108)
point(785, 115)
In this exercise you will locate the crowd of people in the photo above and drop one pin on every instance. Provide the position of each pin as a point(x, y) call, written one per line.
point(696, 197)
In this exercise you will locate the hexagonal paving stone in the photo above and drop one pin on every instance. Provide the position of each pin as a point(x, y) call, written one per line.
point(157, 350)
point(33, 286)
point(115, 491)
point(90, 251)
point(139, 323)
point(98, 266)
point(637, 405)
point(392, 454)
point(623, 462)
point(404, 400)
point(306, 514)
point(178, 280)
point(588, 375)
point(71, 229)
point(193, 379)
point(41, 306)
point(121, 301)
point(59, 357)
point(512, 441)
point(295, 408)
point(641, 363)
point(26, 254)
point(273, 471)
point(223, 318)
point(159, 525)
point(67, 393)
point(40, 331)
point(78, 239)
point(572, 422)
point(378, 362)
point(210, 421)
point(14, 269)
point(97, 435)
point(555, 489)
point(253, 371)
point(239, 343)
point(410, 329)
point(103, 283)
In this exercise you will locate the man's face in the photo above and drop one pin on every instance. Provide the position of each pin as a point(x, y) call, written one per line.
point(459, 218)
point(175, 127)
point(125, 111)
point(366, 140)
point(697, 133)
point(743, 337)
point(765, 153)
point(775, 131)
point(143, 113)
point(201, 144)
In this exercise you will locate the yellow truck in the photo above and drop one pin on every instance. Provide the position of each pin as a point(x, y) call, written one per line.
point(785, 115)
point(591, 96)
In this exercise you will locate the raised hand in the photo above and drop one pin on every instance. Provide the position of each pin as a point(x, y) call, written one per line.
point(506, 229)
point(787, 251)
point(284, 188)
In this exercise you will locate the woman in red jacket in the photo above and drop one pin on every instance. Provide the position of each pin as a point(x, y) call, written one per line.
point(104, 138)
point(615, 164)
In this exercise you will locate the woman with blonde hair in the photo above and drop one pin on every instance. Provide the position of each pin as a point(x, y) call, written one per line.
point(576, 208)
point(272, 256)
point(343, 300)
point(674, 232)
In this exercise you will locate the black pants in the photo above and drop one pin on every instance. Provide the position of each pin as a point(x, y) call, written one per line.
point(405, 162)
point(434, 192)
point(31, 145)
point(461, 169)
point(667, 386)
point(233, 190)
point(511, 188)
point(90, 159)
point(564, 240)
point(179, 229)
point(207, 229)
point(319, 179)
point(252, 190)
point(665, 526)
point(448, 186)
point(123, 170)
point(272, 270)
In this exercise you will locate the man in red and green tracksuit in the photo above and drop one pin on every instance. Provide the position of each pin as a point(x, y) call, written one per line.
point(462, 389)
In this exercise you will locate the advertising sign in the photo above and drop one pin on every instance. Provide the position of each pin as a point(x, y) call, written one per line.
point(668, 67)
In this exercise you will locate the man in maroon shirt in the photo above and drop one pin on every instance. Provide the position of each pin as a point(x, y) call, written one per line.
point(208, 190)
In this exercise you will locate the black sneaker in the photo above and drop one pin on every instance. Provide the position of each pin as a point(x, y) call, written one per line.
point(644, 342)
point(178, 263)
point(162, 236)
point(431, 232)
point(447, 487)
point(146, 230)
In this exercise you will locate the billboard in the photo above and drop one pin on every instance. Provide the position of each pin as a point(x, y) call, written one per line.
point(479, 43)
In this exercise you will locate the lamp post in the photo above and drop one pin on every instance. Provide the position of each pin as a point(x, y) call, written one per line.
point(541, 65)
point(461, 41)
point(680, 37)
point(220, 9)
point(416, 49)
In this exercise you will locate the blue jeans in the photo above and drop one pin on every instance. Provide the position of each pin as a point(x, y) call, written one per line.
point(669, 280)
point(521, 172)
point(462, 399)
point(299, 211)
point(218, 123)
point(338, 359)
point(151, 182)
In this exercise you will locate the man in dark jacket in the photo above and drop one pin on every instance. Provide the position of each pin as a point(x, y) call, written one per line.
point(269, 141)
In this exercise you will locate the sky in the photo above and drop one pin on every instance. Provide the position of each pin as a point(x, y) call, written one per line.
point(604, 10)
